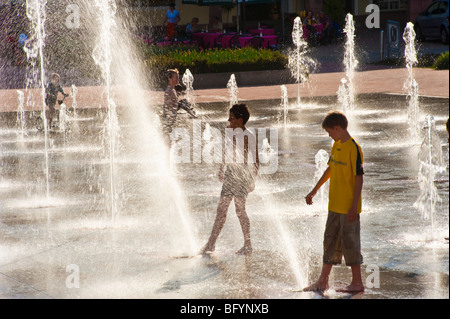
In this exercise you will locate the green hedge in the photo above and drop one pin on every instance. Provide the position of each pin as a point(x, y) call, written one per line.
point(435, 61)
point(442, 62)
point(211, 61)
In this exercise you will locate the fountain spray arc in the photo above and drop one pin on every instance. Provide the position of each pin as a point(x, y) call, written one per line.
point(144, 156)
point(35, 54)
point(410, 86)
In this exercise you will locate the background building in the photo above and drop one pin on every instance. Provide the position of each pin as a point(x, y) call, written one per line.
point(247, 13)
point(240, 14)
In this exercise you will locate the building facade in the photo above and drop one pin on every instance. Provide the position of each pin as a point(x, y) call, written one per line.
point(231, 12)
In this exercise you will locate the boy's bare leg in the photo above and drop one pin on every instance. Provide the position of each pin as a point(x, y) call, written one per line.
point(245, 224)
point(49, 115)
point(322, 283)
point(356, 285)
point(221, 217)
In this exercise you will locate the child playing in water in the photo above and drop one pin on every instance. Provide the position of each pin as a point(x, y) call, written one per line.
point(342, 231)
point(183, 103)
point(52, 90)
point(238, 179)
point(170, 103)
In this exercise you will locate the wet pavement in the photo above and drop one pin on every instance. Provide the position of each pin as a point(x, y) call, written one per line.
point(69, 246)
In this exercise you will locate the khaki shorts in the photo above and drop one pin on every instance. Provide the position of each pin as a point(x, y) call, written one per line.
point(342, 238)
point(236, 180)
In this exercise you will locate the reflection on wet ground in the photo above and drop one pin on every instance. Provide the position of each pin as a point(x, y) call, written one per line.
point(46, 242)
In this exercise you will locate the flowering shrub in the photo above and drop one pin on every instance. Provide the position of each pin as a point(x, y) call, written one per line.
point(212, 61)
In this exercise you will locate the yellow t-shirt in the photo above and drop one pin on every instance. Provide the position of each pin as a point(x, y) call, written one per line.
point(346, 161)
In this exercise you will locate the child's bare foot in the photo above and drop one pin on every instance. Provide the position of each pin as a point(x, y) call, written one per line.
point(317, 287)
point(244, 251)
point(352, 288)
point(207, 250)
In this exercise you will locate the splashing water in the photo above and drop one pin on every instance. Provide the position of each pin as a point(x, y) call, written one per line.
point(74, 99)
point(102, 56)
point(116, 55)
point(36, 14)
point(207, 135)
point(321, 160)
point(292, 253)
point(346, 91)
point(343, 94)
point(233, 90)
point(431, 162)
point(300, 64)
point(20, 112)
point(410, 86)
point(291, 250)
point(64, 118)
point(266, 151)
point(284, 103)
point(188, 81)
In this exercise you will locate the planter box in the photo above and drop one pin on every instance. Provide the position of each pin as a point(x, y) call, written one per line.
point(253, 78)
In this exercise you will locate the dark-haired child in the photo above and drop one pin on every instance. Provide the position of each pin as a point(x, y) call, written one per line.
point(237, 173)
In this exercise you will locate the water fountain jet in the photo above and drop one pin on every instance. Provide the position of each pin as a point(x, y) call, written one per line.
point(321, 160)
point(36, 13)
point(346, 91)
point(233, 90)
point(284, 103)
point(410, 86)
point(20, 112)
point(300, 64)
point(188, 81)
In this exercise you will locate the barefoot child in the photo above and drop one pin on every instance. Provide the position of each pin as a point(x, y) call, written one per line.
point(342, 231)
point(242, 165)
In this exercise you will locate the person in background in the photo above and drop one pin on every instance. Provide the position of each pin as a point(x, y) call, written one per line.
point(327, 27)
point(51, 91)
point(216, 25)
point(172, 19)
point(192, 27)
point(309, 19)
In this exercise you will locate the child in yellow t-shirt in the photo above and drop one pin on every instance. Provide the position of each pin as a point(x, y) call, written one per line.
point(342, 231)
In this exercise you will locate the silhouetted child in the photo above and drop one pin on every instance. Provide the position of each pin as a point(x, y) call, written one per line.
point(170, 103)
point(51, 96)
point(242, 163)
